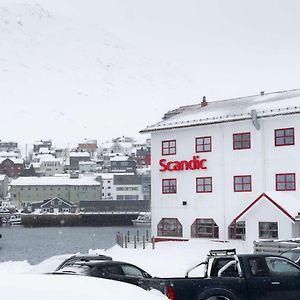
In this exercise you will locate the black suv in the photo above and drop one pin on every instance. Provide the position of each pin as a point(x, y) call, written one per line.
point(115, 270)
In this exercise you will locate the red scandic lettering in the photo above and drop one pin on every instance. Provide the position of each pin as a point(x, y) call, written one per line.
point(193, 164)
point(176, 166)
point(185, 165)
point(201, 162)
point(162, 164)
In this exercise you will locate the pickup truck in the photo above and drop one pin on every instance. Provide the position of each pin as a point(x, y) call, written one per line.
point(229, 276)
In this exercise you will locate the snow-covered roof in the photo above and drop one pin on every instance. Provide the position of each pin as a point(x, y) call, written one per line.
point(44, 150)
point(14, 160)
point(119, 158)
point(87, 163)
point(79, 154)
point(265, 105)
point(126, 144)
point(24, 181)
point(108, 176)
point(9, 154)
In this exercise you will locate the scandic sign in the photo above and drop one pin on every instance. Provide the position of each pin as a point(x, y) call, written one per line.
point(193, 164)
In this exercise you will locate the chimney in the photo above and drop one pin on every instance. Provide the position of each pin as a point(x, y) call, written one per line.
point(203, 103)
point(262, 93)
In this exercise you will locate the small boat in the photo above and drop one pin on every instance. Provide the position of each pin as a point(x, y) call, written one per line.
point(14, 220)
point(142, 220)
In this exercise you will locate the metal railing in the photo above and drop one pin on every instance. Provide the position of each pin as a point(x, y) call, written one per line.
point(275, 247)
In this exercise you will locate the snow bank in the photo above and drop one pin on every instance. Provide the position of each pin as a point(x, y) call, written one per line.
point(49, 287)
point(168, 259)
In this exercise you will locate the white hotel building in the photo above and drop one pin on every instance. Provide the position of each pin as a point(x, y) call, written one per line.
point(228, 169)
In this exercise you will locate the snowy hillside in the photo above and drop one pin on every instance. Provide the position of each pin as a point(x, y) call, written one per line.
point(66, 78)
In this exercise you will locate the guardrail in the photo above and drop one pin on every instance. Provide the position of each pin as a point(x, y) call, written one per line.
point(274, 247)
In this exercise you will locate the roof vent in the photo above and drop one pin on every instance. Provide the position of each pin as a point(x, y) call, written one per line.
point(203, 103)
point(262, 93)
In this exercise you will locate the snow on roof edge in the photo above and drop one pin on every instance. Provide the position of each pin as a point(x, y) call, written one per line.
point(218, 120)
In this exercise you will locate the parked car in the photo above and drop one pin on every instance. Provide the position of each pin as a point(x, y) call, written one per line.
point(115, 270)
point(229, 276)
point(293, 254)
point(82, 258)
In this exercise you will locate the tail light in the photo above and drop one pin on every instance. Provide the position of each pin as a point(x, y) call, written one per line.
point(170, 293)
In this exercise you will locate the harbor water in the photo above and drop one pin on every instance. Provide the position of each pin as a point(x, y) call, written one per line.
point(36, 244)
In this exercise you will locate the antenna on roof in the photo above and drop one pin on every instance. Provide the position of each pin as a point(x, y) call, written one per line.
point(203, 103)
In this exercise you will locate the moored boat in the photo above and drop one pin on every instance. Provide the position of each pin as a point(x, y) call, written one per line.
point(142, 220)
point(14, 220)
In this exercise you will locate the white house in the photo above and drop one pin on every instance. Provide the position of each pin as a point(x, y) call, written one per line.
point(87, 166)
point(228, 169)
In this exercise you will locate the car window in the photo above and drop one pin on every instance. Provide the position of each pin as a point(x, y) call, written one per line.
point(256, 266)
point(292, 255)
point(218, 263)
point(281, 267)
point(98, 271)
point(132, 271)
point(114, 270)
point(78, 269)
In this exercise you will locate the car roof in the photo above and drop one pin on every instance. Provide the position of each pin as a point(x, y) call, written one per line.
point(101, 262)
point(91, 256)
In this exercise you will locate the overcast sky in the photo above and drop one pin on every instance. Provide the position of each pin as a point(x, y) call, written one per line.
point(222, 49)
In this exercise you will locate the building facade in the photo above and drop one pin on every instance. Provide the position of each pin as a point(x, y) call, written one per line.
point(12, 167)
point(53, 206)
point(127, 187)
point(227, 169)
point(26, 190)
point(3, 186)
point(76, 157)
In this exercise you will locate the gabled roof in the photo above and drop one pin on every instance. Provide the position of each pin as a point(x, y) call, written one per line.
point(16, 161)
point(45, 202)
point(263, 105)
point(287, 204)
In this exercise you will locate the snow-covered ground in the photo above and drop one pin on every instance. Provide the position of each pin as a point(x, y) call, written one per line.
point(168, 259)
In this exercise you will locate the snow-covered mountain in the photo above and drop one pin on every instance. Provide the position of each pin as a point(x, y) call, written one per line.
point(67, 78)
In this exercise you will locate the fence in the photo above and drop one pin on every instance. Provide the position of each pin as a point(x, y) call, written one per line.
point(274, 247)
point(135, 240)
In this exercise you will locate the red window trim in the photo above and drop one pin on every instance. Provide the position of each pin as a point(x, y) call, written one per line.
point(214, 225)
point(242, 191)
point(241, 133)
point(162, 148)
point(203, 137)
point(162, 186)
point(275, 130)
point(178, 225)
point(203, 177)
point(285, 174)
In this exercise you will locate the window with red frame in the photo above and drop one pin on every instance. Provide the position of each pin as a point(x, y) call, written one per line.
point(242, 183)
point(168, 147)
point(286, 182)
point(169, 227)
point(241, 141)
point(169, 186)
point(203, 144)
point(284, 137)
point(237, 230)
point(205, 228)
point(204, 184)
